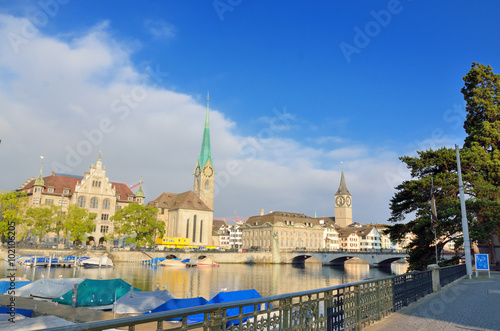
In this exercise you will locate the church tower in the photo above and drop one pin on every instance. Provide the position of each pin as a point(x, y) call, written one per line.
point(204, 171)
point(343, 208)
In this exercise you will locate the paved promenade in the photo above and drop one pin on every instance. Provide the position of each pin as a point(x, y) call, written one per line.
point(468, 304)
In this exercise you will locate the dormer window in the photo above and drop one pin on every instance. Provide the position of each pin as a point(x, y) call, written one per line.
point(130, 198)
point(65, 191)
point(51, 190)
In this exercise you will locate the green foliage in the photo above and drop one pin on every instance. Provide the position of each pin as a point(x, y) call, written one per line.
point(480, 165)
point(79, 222)
point(41, 219)
point(139, 223)
point(11, 211)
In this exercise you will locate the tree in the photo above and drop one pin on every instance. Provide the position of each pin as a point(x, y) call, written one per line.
point(482, 126)
point(11, 212)
point(41, 220)
point(79, 222)
point(480, 163)
point(139, 223)
point(412, 198)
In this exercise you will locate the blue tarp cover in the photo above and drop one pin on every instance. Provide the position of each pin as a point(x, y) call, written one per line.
point(219, 298)
point(24, 312)
point(157, 260)
point(97, 292)
point(5, 284)
point(181, 303)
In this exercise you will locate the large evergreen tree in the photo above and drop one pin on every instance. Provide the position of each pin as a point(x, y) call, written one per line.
point(480, 161)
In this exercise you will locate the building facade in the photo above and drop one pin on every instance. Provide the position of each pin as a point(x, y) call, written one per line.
point(93, 191)
point(291, 230)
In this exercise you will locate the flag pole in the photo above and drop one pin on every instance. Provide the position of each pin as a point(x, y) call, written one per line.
point(465, 225)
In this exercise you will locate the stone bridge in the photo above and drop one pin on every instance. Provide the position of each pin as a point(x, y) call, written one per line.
point(374, 259)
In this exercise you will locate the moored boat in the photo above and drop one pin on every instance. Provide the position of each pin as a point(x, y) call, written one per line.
point(172, 263)
point(98, 262)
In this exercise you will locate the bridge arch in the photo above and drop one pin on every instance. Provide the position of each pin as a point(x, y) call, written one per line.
point(339, 261)
point(301, 259)
point(389, 261)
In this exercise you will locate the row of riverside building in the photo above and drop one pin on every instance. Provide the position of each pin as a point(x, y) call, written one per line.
point(190, 214)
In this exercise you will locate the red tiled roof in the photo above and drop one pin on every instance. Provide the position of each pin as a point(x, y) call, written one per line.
point(186, 200)
point(60, 183)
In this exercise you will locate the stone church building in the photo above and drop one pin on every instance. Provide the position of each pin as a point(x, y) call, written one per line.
point(190, 214)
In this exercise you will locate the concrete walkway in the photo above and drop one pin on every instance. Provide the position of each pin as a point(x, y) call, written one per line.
point(467, 304)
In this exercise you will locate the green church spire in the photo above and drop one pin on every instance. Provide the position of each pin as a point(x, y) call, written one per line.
point(205, 154)
point(140, 193)
point(39, 181)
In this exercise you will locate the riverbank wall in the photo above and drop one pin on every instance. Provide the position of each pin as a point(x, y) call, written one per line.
point(137, 256)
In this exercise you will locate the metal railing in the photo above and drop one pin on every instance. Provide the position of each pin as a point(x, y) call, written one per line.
point(452, 273)
point(344, 307)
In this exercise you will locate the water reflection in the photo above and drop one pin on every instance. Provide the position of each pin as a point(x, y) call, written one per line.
point(267, 279)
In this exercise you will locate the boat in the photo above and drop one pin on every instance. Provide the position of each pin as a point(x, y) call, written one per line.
point(49, 288)
point(98, 262)
point(205, 262)
point(5, 286)
point(135, 302)
point(172, 263)
point(97, 293)
point(178, 304)
point(219, 298)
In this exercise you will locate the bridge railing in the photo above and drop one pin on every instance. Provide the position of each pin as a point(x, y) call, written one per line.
point(452, 273)
point(344, 307)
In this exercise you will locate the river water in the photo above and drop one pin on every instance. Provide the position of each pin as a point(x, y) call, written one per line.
point(267, 279)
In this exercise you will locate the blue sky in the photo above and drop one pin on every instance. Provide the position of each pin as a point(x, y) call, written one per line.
point(296, 88)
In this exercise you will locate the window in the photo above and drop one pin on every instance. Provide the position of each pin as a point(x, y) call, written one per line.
point(36, 200)
point(51, 190)
point(106, 204)
point(130, 198)
point(104, 228)
point(187, 228)
point(94, 203)
point(49, 201)
point(201, 230)
point(38, 189)
point(207, 185)
point(63, 203)
point(96, 183)
point(194, 229)
point(104, 217)
point(81, 202)
point(65, 191)
point(118, 207)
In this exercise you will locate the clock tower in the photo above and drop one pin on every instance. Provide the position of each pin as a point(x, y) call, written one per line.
point(343, 207)
point(204, 172)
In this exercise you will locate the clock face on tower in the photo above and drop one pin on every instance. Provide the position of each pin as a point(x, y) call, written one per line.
point(197, 171)
point(340, 201)
point(348, 201)
point(208, 171)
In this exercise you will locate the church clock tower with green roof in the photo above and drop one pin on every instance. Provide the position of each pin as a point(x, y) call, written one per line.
point(204, 171)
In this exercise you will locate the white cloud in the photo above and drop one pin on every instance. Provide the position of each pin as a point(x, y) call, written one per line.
point(62, 96)
point(160, 29)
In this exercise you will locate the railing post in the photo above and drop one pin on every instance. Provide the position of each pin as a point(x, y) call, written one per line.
point(436, 283)
point(379, 315)
point(216, 320)
point(285, 314)
point(357, 298)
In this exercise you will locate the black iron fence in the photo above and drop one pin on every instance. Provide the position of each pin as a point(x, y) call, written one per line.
point(450, 274)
